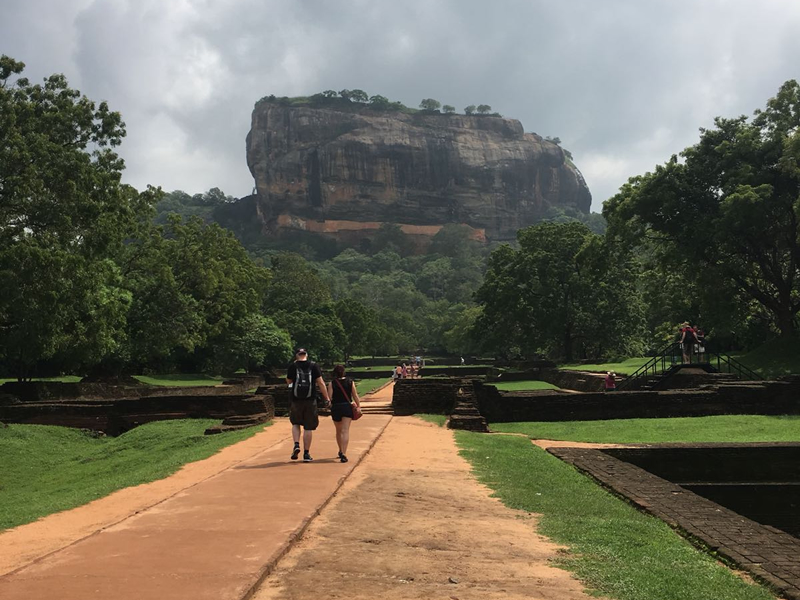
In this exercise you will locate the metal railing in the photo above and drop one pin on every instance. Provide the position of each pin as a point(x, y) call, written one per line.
point(724, 361)
point(659, 364)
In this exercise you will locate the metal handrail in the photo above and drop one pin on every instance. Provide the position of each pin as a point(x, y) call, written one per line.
point(652, 364)
point(674, 350)
point(735, 366)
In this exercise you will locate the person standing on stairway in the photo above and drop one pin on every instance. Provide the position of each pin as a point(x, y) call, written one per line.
point(688, 340)
point(343, 394)
point(303, 376)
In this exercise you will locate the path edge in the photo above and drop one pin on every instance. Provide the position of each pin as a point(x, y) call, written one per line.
point(47, 555)
point(297, 534)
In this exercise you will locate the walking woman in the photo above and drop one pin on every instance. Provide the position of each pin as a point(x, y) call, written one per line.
point(343, 394)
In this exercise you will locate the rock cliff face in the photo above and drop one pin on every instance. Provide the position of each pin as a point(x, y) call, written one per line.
point(343, 174)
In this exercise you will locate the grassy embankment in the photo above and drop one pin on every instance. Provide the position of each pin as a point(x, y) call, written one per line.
point(772, 359)
point(775, 358)
point(614, 549)
point(516, 386)
point(366, 386)
point(47, 469)
point(189, 379)
point(722, 428)
point(439, 420)
point(626, 367)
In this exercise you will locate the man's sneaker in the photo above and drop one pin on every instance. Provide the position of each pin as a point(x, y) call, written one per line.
point(295, 452)
point(342, 457)
point(307, 457)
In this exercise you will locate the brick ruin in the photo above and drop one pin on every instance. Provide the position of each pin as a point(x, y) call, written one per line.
point(722, 497)
point(115, 409)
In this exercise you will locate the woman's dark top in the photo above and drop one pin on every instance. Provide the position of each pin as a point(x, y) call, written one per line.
point(338, 396)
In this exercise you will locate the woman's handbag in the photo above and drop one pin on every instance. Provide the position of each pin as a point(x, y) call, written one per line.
point(356, 409)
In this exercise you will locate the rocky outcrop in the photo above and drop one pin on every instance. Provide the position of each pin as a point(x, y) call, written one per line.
point(344, 173)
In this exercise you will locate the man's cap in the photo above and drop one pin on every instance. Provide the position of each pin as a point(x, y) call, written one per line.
point(301, 351)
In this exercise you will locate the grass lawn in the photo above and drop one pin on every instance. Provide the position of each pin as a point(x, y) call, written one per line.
point(365, 386)
point(626, 367)
point(355, 370)
point(190, 379)
point(439, 420)
point(180, 379)
point(613, 548)
point(723, 428)
point(775, 358)
point(516, 386)
point(46, 469)
point(62, 379)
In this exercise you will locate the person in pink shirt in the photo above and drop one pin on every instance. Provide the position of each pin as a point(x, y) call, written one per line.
point(611, 381)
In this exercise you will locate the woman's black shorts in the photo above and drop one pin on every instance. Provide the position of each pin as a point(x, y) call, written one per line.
point(341, 409)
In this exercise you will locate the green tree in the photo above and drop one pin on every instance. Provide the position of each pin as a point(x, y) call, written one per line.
point(358, 96)
point(295, 286)
point(391, 237)
point(379, 102)
point(358, 322)
point(319, 330)
point(555, 295)
point(254, 344)
point(458, 339)
point(484, 109)
point(163, 316)
point(436, 277)
point(448, 109)
point(731, 208)
point(64, 214)
point(430, 104)
point(470, 110)
point(213, 268)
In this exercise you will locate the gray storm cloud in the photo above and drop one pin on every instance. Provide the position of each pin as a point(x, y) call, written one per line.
point(623, 83)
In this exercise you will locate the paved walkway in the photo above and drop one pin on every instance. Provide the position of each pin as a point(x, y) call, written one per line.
point(217, 539)
point(412, 523)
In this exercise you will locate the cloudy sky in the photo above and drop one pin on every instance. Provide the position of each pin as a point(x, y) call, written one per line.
point(623, 83)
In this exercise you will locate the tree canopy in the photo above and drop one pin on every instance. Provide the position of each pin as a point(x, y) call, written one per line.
point(729, 208)
point(63, 213)
point(558, 291)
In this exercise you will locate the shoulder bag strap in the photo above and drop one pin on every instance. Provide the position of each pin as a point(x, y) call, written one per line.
point(341, 387)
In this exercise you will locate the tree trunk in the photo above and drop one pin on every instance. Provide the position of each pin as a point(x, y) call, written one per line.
point(786, 321)
point(568, 343)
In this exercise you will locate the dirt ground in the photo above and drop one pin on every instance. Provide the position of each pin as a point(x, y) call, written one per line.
point(412, 522)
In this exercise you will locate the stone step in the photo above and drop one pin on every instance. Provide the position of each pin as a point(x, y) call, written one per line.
point(468, 423)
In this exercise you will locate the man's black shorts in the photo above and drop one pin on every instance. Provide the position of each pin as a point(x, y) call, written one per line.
point(304, 412)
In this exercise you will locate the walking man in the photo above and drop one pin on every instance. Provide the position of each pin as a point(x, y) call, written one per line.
point(303, 376)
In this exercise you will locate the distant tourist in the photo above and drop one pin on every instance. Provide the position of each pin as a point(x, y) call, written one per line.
point(688, 340)
point(303, 376)
point(343, 394)
point(398, 372)
point(700, 347)
point(404, 371)
point(611, 381)
point(462, 361)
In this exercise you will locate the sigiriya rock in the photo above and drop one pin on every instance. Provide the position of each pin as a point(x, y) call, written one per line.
point(343, 173)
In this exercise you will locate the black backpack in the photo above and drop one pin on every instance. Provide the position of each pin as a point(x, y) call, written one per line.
point(303, 386)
